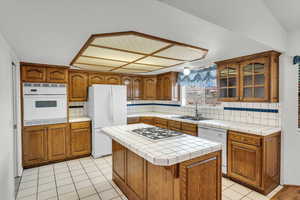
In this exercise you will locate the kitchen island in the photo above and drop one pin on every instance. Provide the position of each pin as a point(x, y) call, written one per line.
point(177, 168)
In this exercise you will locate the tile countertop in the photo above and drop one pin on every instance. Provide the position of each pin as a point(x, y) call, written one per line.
point(255, 129)
point(164, 152)
point(79, 119)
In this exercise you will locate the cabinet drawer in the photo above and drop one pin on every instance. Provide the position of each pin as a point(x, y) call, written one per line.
point(147, 120)
point(133, 120)
point(243, 138)
point(79, 125)
point(161, 121)
point(189, 128)
point(174, 125)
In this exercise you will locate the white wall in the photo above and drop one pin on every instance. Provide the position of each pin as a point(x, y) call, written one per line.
point(289, 101)
point(6, 133)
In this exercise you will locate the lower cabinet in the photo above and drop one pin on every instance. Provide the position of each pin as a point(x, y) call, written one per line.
point(190, 129)
point(34, 145)
point(119, 159)
point(254, 160)
point(50, 143)
point(147, 120)
point(160, 122)
point(57, 142)
point(80, 138)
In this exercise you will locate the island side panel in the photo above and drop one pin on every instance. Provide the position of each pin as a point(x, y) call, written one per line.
point(200, 178)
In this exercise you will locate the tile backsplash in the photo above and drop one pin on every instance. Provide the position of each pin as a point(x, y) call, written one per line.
point(256, 113)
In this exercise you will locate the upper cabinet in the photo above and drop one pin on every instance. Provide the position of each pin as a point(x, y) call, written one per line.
point(44, 73)
point(113, 79)
point(96, 78)
point(228, 81)
point(252, 78)
point(56, 75)
point(33, 73)
point(167, 87)
point(149, 88)
point(137, 88)
point(78, 86)
point(127, 80)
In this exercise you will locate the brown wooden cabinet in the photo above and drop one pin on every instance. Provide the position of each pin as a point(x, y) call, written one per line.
point(96, 78)
point(78, 86)
point(119, 160)
point(137, 88)
point(149, 91)
point(174, 125)
point(160, 122)
point(147, 120)
point(33, 73)
point(57, 142)
point(80, 138)
point(254, 160)
point(228, 82)
point(167, 87)
point(56, 75)
point(34, 145)
point(133, 120)
point(252, 78)
point(113, 79)
point(127, 80)
point(188, 128)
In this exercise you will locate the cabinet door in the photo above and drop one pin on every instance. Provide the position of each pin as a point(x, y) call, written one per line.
point(96, 78)
point(57, 75)
point(33, 74)
point(34, 145)
point(167, 87)
point(160, 88)
point(147, 120)
point(126, 80)
point(113, 79)
point(137, 88)
point(244, 163)
point(135, 176)
point(150, 88)
point(80, 141)
point(228, 82)
point(118, 159)
point(57, 142)
point(255, 80)
point(78, 86)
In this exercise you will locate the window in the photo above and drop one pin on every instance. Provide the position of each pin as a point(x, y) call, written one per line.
point(203, 96)
point(200, 87)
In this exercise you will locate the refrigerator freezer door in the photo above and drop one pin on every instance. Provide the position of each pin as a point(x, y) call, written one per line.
point(102, 144)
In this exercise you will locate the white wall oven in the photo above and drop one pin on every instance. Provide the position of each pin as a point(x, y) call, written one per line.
point(44, 103)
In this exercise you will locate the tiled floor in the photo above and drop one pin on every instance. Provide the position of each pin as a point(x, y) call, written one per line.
point(90, 179)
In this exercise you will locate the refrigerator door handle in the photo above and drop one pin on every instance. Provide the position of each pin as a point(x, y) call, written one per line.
point(112, 105)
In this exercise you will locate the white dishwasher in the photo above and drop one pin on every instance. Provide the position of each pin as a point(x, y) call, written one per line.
point(216, 135)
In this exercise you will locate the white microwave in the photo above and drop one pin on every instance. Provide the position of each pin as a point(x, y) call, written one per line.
point(44, 103)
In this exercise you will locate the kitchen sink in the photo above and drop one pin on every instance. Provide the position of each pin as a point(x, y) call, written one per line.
point(191, 118)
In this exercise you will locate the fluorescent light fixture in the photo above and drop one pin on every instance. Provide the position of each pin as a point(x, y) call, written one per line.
point(186, 71)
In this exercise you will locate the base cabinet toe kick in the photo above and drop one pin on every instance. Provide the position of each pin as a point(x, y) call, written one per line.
point(198, 178)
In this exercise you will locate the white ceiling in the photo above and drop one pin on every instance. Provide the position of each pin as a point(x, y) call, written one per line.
point(287, 12)
point(54, 31)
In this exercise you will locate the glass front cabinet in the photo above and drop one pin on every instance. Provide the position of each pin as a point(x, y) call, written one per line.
point(252, 78)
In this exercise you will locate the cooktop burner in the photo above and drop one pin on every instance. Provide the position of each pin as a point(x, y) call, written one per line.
point(156, 133)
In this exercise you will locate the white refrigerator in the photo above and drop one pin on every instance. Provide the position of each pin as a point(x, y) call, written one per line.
point(107, 106)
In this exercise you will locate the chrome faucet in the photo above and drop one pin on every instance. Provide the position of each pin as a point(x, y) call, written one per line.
point(197, 114)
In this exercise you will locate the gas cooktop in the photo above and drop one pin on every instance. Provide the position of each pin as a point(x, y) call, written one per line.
point(156, 133)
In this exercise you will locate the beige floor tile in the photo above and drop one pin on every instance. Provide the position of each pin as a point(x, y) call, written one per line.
point(109, 194)
point(27, 192)
point(225, 198)
point(231, 194)
point(29, 178)
point(226, 182)
point(31, 197)
point(246, 198)
point(61, 170)
point(47, 186)
point(87, 191)
point(29, 184)
point(46, 174)
point(62, 176)
point(94, 174)
point(80, 178)
point(240, 189)
point(66, 189)
point(77, 172)
point(45, 180)
point(102, 186)
point(98, 179)
point(47, 194)
point(257, 196)
point(93, 197)
point(69, 196)
point(83, 184)
point(61, 182)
